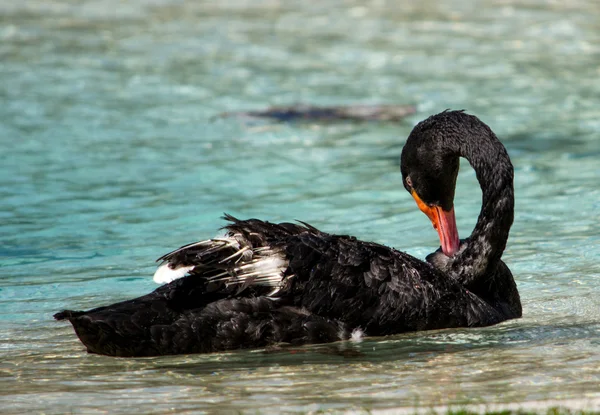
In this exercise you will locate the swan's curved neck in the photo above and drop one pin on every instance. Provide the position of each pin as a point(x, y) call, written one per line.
point(494, 171)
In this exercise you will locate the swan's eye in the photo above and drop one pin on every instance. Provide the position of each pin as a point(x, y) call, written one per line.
point(409, 182)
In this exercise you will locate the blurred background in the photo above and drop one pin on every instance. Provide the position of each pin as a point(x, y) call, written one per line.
point(114, 152)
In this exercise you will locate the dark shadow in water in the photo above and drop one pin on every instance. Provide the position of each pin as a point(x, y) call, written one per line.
point(303, 112)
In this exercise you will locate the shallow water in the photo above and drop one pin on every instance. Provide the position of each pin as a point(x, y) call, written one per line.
point(111, 156)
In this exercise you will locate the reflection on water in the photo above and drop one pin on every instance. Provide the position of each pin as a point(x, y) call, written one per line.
point(112, 156)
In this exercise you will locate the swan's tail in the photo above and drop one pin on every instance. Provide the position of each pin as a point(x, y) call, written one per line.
point(68, 315)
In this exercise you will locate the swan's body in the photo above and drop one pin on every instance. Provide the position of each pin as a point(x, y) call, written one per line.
point(263, 283)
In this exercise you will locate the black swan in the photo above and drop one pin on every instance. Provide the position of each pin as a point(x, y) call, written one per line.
point(264, 284)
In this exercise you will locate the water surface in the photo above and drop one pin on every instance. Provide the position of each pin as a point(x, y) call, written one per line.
point(111, 156)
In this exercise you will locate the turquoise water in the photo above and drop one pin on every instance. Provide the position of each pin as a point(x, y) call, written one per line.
point(111, 156)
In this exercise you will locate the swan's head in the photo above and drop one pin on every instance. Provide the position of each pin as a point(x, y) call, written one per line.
point(429, 172)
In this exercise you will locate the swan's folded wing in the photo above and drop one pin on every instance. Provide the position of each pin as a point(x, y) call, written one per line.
point(377, 288)
point(248, 255)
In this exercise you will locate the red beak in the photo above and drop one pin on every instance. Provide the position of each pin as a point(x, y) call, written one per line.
point(444, 223)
